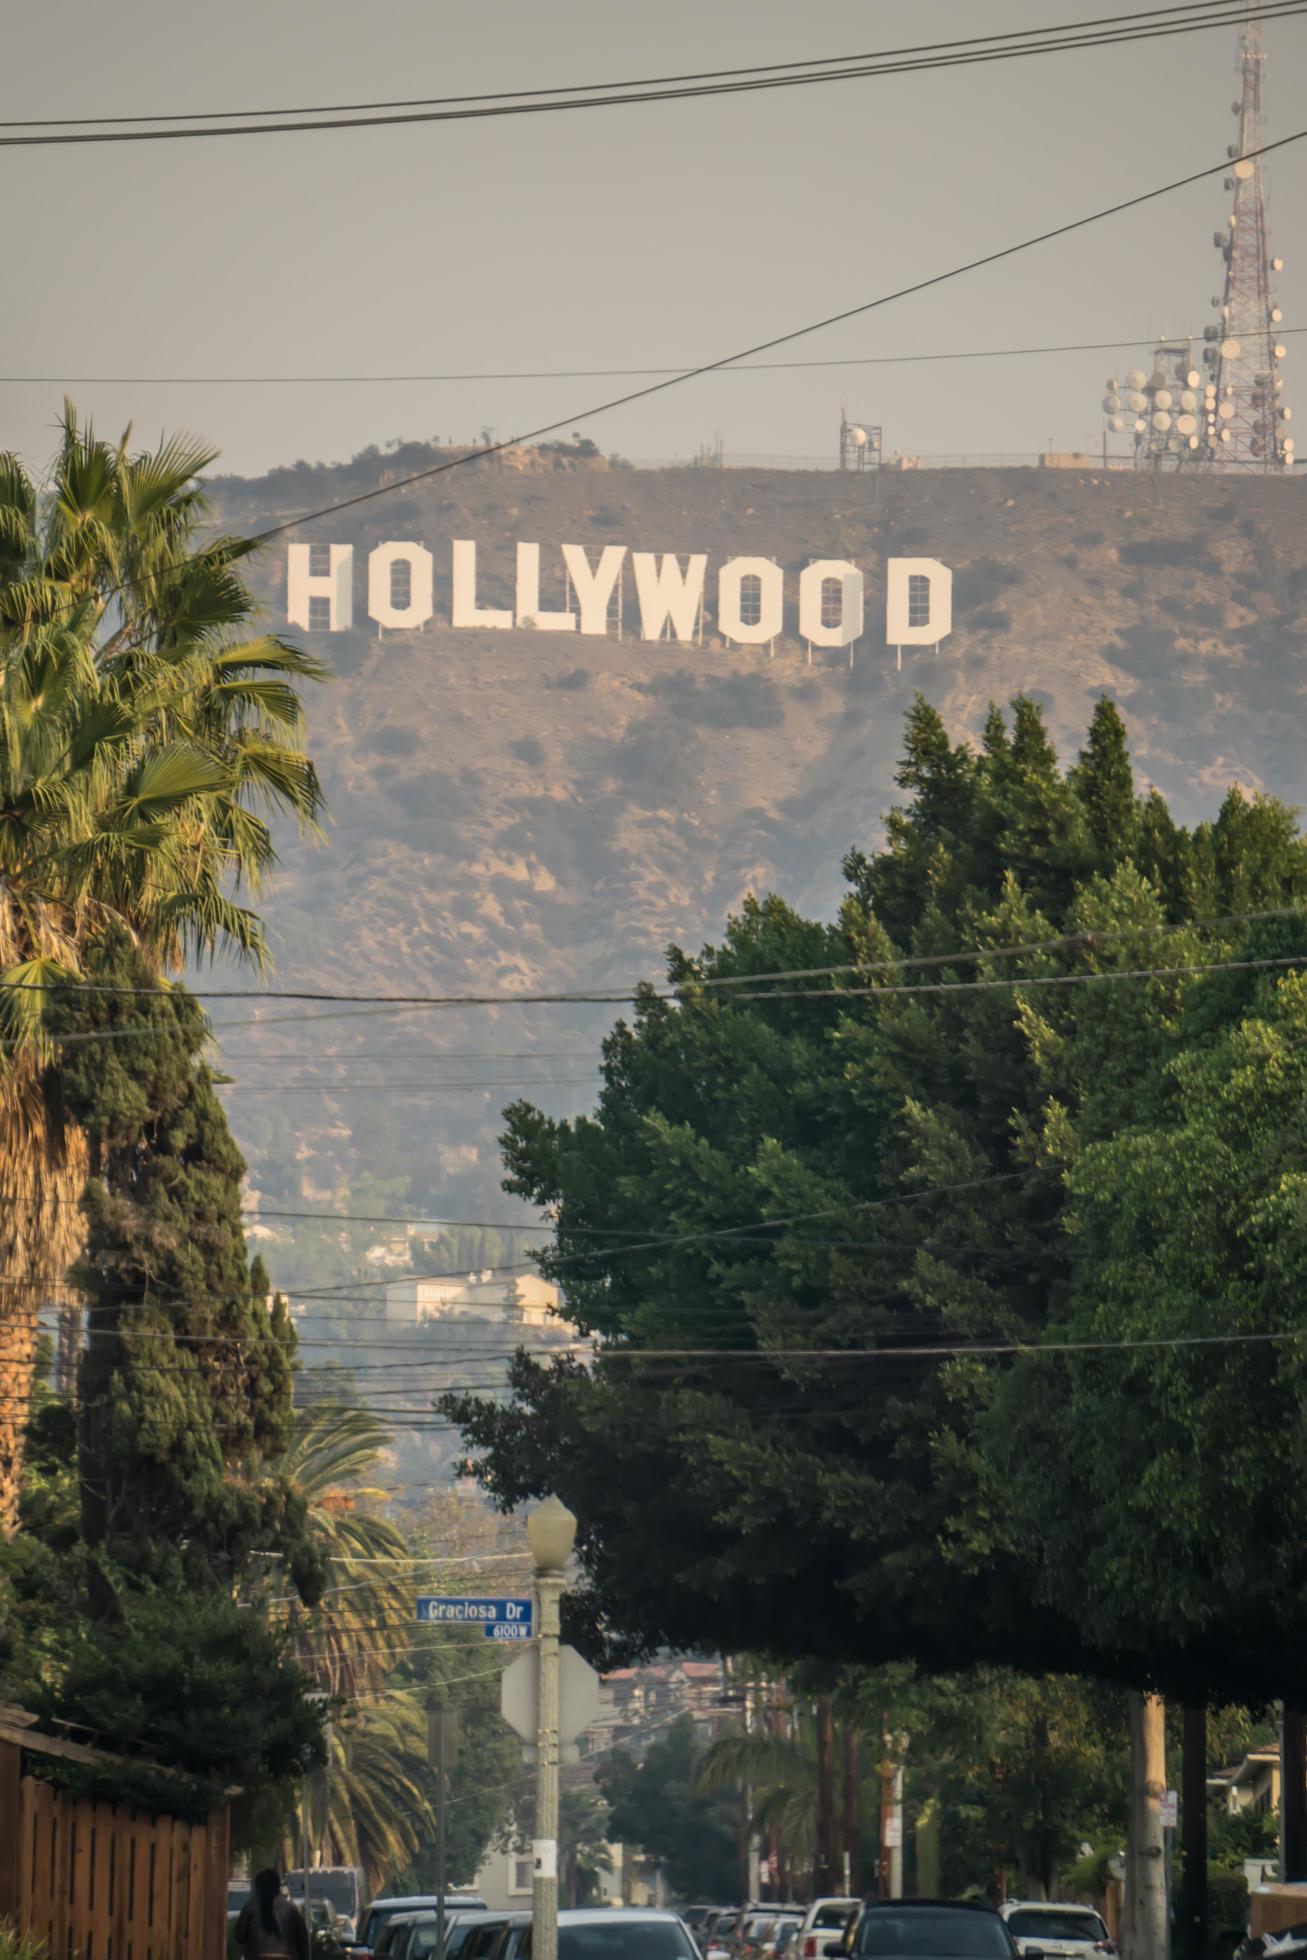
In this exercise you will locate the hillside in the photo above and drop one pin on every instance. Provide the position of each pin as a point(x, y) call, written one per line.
point(533, 810)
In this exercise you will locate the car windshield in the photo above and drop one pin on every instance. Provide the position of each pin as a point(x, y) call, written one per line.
point(340, 1887)
point(835, 1914)
point(481, 1938)
point(618, 1939)
point(937, 1934)
point(1039, 1923)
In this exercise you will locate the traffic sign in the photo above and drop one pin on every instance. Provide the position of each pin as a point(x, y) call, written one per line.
point(435, 1610)
point(578, 1695)
point(509, 1630)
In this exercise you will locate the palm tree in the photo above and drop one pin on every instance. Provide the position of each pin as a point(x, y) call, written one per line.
point(347, 1640)
point(780, 1775)
point(376, 1812)
point(147, 735)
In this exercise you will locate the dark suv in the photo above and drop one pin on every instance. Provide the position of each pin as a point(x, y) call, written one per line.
point(927, 1929)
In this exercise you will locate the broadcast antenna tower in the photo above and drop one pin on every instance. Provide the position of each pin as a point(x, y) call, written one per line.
point(1246, 423)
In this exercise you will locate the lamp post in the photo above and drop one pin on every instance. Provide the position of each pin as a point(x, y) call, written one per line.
point(551, 1534)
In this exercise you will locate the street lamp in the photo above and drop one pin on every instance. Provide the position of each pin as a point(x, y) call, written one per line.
point(551, 1534)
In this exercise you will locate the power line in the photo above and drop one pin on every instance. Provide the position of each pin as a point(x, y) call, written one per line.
point(750, 81)
point(831, 995)
point(577, 374)
point(1017, 35)
point(728, 360)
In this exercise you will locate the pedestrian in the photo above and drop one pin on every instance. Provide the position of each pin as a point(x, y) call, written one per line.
point(271, 1926)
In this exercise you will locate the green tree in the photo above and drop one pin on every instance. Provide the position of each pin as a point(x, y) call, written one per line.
point(653, 1804)
point(147, 735)
point(843, 1186)
point(1192, 1242)
point(184, 1393)
point(357, 1642)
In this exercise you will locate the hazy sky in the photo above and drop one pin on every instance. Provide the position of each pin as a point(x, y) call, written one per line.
point(619, 237)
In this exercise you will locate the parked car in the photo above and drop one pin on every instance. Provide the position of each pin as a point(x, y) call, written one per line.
point(484, 1940)
point(787, 1934)
point(824, 1919)
point(750, 1930)
point(414, 1935)
point(606, 1933)
point(392, 1940)
point(712, 1935)
point(1068, 1932)
point(381, 1910)
point(777, 1933)
point(928, 1929)
point(694, 1917)
point(344, 1885)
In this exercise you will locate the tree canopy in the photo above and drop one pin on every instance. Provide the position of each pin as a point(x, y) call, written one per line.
point(824, 1196)
point(149, 732)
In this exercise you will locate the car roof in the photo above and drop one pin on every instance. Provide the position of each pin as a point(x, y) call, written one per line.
point(1048, 1905)
point(600, 1915)
point(426, 1899)
point(936, 1905)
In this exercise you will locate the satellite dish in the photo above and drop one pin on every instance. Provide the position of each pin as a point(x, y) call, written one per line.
point(1225, 435)
point(1188, 400)
point(1136, 378)
point(1186, 424)
point(1244, 169)
point(1137, 399)
point(1226, 411)
point(1162, 398)
point(858, 437)
point(1174, 443)
point(1280, 353)
point(1286, 414)
point(1116, 424)
point(1193, 442)
point(1276, 314)
point(1161, 421)
point(1277, 265)
point(1140, 425)
point(1193, 379)
point(1157, 379)
point(1259, 426)
point(1231, 350)
point(1111, 404)
point(1288, 445)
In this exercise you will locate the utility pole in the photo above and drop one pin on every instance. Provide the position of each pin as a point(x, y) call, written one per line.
point(1293, 1794)
point(886, 1810)
point(1145, 1902)
point(1193, 1834)
point(551, 1534)
point(852, 1811)
point(825, 1875)
point(442, 1755)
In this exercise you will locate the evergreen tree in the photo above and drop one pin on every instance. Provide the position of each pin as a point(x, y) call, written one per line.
point(185, 1382)
point(876, 1161)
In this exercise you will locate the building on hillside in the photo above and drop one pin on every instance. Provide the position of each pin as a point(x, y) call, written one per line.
point(524, 1300)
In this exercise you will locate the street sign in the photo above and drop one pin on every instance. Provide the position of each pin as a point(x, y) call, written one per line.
point(509, 1630)
point(435, 1610)
point(1170, 1809)
point(894, 1828)
point(578, 1695)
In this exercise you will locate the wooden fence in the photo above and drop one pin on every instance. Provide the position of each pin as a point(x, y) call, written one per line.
point(101, 1881)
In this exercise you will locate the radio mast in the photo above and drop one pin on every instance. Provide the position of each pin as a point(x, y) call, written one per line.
point(1247, 425)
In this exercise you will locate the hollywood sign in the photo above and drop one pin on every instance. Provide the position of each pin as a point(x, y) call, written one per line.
point(670, 593)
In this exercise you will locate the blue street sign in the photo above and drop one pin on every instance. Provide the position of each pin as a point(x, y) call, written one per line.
point(434, 1609)
point(509, 1630)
